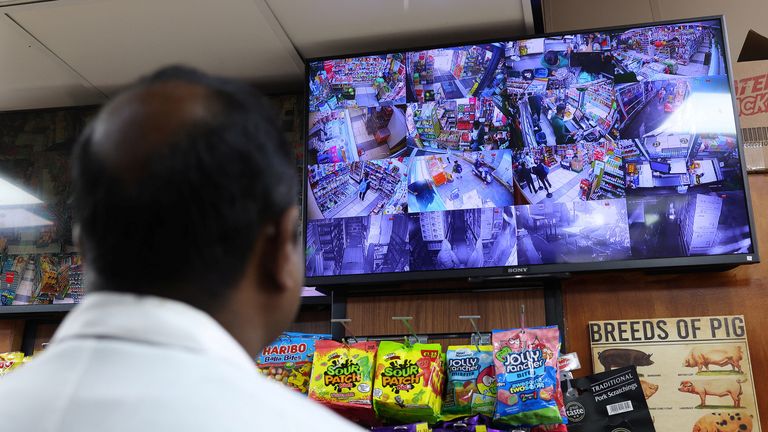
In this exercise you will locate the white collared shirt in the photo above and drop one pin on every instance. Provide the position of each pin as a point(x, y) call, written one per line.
point(122, 362)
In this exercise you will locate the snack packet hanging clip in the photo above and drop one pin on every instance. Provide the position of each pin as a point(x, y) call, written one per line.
point(408, 341)
point(351, 339)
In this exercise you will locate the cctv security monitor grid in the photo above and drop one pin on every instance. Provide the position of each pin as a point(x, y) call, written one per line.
point(603, 149)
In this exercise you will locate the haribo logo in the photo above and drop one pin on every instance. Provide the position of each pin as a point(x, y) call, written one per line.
point(285, 349)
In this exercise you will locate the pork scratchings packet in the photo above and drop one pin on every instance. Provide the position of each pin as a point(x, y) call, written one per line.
point(609, 401)
point(526, 375)
point(408, 382)
point(471, 383)
point(289, 359)
point(342, 378)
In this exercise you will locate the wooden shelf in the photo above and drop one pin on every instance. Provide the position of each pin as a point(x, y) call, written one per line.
point(28, 311)
point(59, 310)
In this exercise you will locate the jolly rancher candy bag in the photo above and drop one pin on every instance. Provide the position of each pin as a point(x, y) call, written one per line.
point(289, 359)
point(342, 378)
point(408, 382)
point(526, 375)
point(471, 383)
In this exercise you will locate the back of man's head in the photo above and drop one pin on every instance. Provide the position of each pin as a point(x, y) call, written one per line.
point(175, 181)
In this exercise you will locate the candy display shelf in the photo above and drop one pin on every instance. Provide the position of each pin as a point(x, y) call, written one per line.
point(21, 311)
point(32, 311)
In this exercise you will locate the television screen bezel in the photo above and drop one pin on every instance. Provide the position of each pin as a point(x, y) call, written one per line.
point(542, 270)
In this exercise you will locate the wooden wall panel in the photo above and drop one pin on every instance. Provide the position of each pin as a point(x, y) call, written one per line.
point(11, 332)
point(438, 313)
point(312, 320)
point(634, 295)
point(44, 334)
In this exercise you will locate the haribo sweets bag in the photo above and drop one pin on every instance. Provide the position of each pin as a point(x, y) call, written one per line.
point(471, 383)
point(408, 382)
point(342, 378)
point(526, 375)
point(289, 359)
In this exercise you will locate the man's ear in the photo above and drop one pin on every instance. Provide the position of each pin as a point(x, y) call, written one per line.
point(77, 239)
point(287, 251)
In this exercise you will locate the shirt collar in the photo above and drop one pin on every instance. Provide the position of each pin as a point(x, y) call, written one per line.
point(151, 320)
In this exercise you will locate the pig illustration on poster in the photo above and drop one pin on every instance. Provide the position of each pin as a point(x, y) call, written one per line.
point(622, 357)
point(715, 387)
point(696, 371)
point(724, 422)
point(702, 357)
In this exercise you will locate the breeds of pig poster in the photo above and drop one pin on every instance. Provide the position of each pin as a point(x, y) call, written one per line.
point(695, 372)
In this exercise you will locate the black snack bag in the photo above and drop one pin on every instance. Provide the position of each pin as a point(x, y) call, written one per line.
point(611, 401)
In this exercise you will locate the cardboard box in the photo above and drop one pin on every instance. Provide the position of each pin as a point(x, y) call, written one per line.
point(751, 86)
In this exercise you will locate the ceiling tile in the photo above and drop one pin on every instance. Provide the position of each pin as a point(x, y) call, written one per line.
point(564, 15)
point(328, 27)
point(112, 42)
point(31, 77)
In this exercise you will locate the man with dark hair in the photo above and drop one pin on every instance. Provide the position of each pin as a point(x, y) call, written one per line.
point(457, 169)
point(526, 175)
point(541, 172)
point(362, 188)
point(478, 136)
point(535, 102)
point(186, 216)
point(562, 135)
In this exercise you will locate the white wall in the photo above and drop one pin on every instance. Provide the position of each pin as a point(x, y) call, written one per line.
point(740, 15)
point(397, 127)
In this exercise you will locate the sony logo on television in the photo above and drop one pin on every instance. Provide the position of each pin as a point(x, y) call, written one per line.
point(517, 270)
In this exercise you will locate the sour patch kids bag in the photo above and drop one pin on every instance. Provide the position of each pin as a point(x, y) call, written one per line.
point(408, 382)
point(342, 378)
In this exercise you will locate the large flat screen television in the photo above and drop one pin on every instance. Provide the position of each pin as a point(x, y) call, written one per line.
point(603, 149)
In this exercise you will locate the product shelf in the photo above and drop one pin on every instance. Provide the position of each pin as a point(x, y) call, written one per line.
point(19, 311)
point(58, 310)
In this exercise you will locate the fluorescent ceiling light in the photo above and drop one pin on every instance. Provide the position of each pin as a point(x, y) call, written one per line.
point(311, 292)
point(20, 218)
point(11, 195)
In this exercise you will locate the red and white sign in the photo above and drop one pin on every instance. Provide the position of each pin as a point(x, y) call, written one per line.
point(751, 85)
